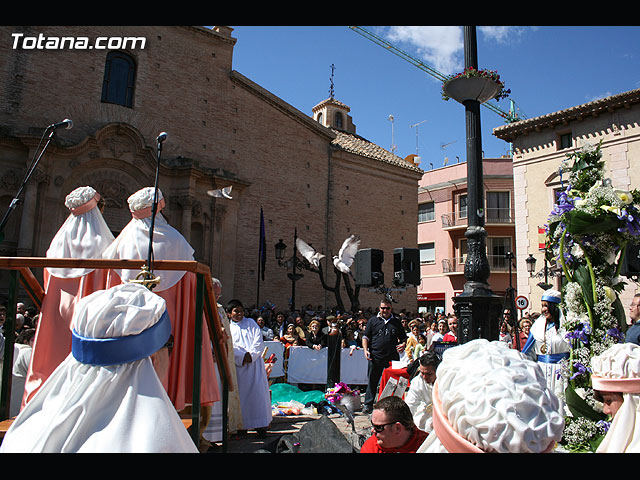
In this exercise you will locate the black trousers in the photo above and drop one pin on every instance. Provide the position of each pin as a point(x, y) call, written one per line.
point(374, 373)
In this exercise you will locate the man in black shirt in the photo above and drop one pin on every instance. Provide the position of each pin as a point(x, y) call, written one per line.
point(384, 338)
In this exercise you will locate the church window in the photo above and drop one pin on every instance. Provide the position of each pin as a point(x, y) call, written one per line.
point(119, 79)
point(338, 120)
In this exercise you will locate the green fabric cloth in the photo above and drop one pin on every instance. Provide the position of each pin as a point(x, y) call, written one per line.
point(283, 392)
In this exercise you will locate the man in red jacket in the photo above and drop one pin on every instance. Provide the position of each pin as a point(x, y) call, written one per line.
point(393, 428)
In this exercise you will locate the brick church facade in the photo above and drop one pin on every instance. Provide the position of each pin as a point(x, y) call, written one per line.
point(308, 172)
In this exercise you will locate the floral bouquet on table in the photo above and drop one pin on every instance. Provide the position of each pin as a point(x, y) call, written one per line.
point(588, 231)
point(342, 394)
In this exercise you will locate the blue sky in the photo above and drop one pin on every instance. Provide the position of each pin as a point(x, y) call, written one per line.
point(547, 68)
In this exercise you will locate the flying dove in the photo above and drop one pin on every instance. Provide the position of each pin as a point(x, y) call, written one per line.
point(347, 253)
point(308, 252)
point(221, 192)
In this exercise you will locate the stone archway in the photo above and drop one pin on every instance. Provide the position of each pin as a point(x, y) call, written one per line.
point(116, 161)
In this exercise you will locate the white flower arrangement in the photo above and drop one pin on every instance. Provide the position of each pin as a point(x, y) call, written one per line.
point(588, 230)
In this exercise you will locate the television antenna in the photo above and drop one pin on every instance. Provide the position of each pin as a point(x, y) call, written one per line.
point(393, 145)
point(415, 125)
point(442, 147)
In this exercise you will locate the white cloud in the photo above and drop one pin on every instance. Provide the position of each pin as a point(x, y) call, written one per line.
point(441, 46)
point(501, 34)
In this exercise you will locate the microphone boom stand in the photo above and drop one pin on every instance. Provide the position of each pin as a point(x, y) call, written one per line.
point(30, 170)
point(147, 270)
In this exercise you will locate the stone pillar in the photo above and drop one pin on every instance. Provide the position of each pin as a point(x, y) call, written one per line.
point(29, 217)
point(186, 204)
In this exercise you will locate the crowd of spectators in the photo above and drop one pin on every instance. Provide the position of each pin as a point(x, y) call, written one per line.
point(310, 326)
point(26, 318)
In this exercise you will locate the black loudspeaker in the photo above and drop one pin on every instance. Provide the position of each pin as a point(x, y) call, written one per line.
point(406, 266)
point(631, 261)
point(368, 266)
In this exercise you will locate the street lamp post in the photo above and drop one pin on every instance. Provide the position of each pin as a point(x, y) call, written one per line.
point(294, 263)
point(477, 307)
point(546, 272)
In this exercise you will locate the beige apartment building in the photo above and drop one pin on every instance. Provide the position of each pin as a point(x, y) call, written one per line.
point(442, 223)
point(310, 172)
point(539, 146)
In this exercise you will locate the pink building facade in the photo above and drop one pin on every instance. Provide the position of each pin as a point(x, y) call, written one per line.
point(442, 222)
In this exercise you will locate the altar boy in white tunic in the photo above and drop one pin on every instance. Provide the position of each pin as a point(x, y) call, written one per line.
point(253, 385)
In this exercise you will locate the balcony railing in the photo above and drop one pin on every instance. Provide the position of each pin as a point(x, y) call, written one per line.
point(497, 263)
point(492, 215)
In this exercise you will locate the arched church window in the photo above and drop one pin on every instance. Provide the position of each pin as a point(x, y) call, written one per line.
point(119, 79)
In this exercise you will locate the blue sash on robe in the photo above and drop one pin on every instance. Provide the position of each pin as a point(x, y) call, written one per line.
point(550, 358)
point(553, 358)
point(528, 344)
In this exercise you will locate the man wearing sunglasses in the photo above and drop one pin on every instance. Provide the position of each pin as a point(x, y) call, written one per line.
point(383, 340)
point(419, 396)
point(393, 430)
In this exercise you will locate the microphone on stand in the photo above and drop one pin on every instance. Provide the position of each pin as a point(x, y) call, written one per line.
point(162, 137)
point(66, 123)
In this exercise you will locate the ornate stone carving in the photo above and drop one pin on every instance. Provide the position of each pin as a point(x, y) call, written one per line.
point(196, 209)
point(114, 187)
point(118, 146)
point(10, 181)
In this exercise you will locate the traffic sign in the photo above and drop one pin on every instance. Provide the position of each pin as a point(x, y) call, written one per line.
point(522, 302)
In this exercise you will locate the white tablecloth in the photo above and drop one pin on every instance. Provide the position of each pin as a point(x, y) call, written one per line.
point(307, 365)
point(278, 349)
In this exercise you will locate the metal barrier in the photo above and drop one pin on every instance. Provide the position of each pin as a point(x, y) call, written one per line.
point(20, 273)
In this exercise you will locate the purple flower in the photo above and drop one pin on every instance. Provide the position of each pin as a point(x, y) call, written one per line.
point(578, 335)
point(630, 218)
point(615, 334)
point(580, 370)
point(564, 203)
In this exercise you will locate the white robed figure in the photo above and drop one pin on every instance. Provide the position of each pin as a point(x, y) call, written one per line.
point(105, 397)
point(547, 345)
point(177, 287)
point(489, 398)
point(83, 235)
point(214, 430)
point(253, 386)
point(616, 382)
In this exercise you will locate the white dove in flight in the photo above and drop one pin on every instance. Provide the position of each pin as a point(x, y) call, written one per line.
point(347, 253)
point(308, 252)
point(221, 192)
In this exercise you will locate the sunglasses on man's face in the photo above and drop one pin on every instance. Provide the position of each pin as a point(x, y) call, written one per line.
point(385, 308)
point(380, 428)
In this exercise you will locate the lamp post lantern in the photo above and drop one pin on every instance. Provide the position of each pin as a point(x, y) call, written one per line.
point(531, 264)
point(294, 263)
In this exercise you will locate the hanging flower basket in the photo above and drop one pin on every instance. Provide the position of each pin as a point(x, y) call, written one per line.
point(472, 84)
